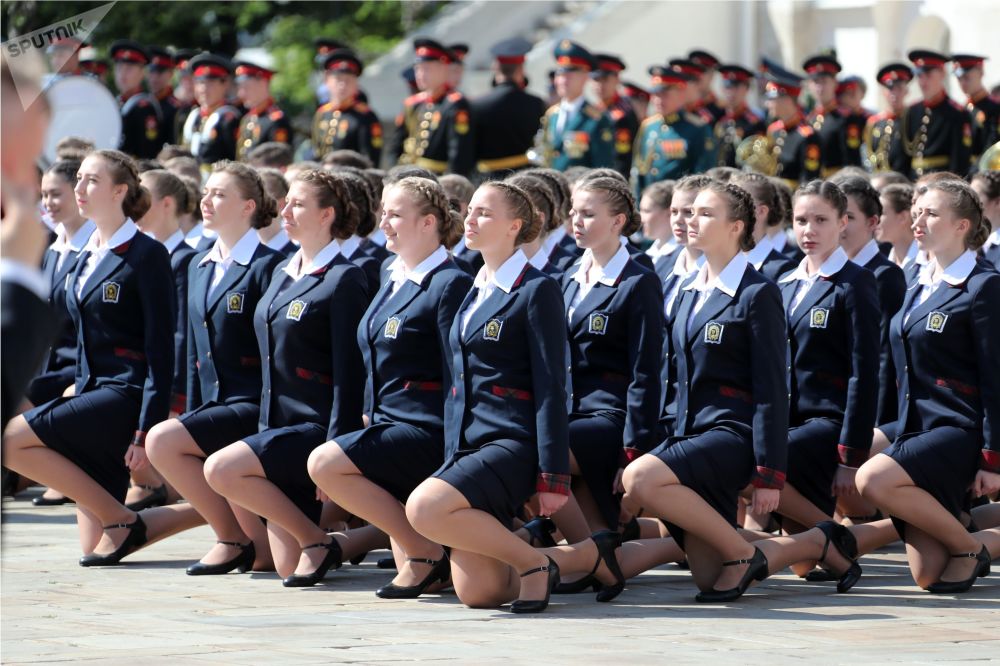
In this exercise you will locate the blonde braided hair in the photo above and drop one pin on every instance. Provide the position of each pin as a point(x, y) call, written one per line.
point(431, 199)
point(332, 191)
point(125, 171)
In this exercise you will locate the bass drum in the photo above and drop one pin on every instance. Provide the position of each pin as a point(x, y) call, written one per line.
point(81, 107)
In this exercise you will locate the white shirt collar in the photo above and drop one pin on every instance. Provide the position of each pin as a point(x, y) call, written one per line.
point(610, 273)
point(553, 239)
point(378, 236)
point(679, 266)
point(399, 274)
point(661, 248)
point(954, 274)
point(759, 253)
point(778, 239)
point(295, 268)
point(911, 255)
point(175, 239)
point(572, 107)
point(279, 240)
point(125, 233)
point(728, 281)
point(507, 274)
point(540, 259)
point(831, 266)
point(241, 253)
point(77, 242)
point(993, 239)
point(866, 254)
point(349, 246)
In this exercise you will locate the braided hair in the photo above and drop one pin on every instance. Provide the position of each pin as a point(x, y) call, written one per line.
point(251, 188)
point(166, 184)
point(560, 189)
point(740, 207)
point(541, 195)
point(861, 190)
point(618, 197)
point(361, 191)
point(332, 190)
point(431, 199)
point(521, 208)
point(965, 204)
point(763, 192)
point(124, 171)
point(829, 192)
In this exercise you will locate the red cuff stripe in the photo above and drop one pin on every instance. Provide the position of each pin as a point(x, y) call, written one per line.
point(768, 478)
point(553, 483)
point(852, 457)
point(990, 461)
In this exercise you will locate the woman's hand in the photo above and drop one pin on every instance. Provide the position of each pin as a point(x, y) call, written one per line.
point(764, 500)
point(844, 484)
point(986, 483)
point(617, 487)
point(135, 458)
point(549, 503)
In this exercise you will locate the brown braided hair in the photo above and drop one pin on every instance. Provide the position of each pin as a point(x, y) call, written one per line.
point(251, 188)
point(431, 199)
point(361, 191)
point(660, 193)
point(560, 188)
point(521, 208)
point(125, 171)
point(824, 189)
point(762, 190)
point(740, 207)
point(194, 194)
point(167, 184)
point(618, 197)
point(541, 195)
point(333, 191)
point(965, 204)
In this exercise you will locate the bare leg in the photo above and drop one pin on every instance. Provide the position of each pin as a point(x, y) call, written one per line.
point(254, 527)
point(991, 539)
point(656, 487)
point(987, 516)
point(236, 473)
point(481, 581)
point(442, 514)
point(89, 527)
point(874, 535)
point(166, 521)
point(178, 458)
point(25, 454)
point(856, 508)
point(285, 548)
point(806, 546)
point(342, 481)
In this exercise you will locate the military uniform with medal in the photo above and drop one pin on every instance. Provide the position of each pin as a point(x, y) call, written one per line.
point(141, 113)
point(210, 131)
point(264, 123)
point(347, 124)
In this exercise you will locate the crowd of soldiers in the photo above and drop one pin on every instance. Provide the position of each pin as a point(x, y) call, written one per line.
point(218, 109)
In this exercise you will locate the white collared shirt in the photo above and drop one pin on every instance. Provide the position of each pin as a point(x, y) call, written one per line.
point(831, 266)
point(660, 249)
point(504, 279)
point(993, 239)
point(866, 254)
point(911, 255)
point(63, 245)
point(175, 239)
point(125, 233)
point(350, 246)
point(728, 281)
point(279, 240)
point(670, 298)
point(295, 268)
point(458, 247)
point(198, 232)
point(377, 236)
point(398, 274)
point(241, 253)
point(609, 275)
point(955, 274)
point(759, 253)
point(567, 110)
point(779, 240)
point(539, 259)
point(553, 239)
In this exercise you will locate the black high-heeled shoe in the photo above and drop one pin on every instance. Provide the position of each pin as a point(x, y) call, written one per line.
point(540, 531)
point(440, 571)
point(334, 558)
point(135, 539)
point(156, 497)
point(42, 500)
point(580, 584)
point(538, 605)
point(607, 543)
point(242, 563)
point(981, 570)
point(631, 530)
point(385, 563)
point(756, 571)
point(845, 543)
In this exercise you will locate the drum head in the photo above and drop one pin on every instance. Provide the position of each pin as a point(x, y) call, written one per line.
point(82, 107)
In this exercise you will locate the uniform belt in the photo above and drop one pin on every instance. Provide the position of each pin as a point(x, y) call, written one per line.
point(931, 162)
point(437, 166)
point(501, 163)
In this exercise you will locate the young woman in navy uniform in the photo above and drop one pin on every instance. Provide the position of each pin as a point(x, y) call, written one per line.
point(654, 210)
point(895, 226)
point(306, 324)
point(274, 235)
point(949, 401)
point(987, 185)
point(732, 414)
point(119, 296)
point(506, 421)
point(833, 349)
point(767, 211)
point(352, 248)
point(404, 340)
point(615, 327)
point(540, 193)
point(567, 251)
point(222, 363)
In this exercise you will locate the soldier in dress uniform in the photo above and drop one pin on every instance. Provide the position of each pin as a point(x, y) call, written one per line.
point(345, 122)
point(883, 132)
point(183, 91)
point(574, 131)
point(673, 142)
point(506, 118)
point(159, 75)
point(739, 120)
point(141, 114)
point(709, 102)
point(850, 92)
point(211, 128)
point(264, 121)
point(985, 111)
point(434, 131)
point(410, 77)
point(937, 132)
point(607, 78)
point(456, 70)
point(827, 118)
point(796, 144)
point(638, 96)
point(693, 102)
point(97, 67)
point(323, 46)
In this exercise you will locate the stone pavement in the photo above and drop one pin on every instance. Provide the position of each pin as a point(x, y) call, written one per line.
point(147, 611)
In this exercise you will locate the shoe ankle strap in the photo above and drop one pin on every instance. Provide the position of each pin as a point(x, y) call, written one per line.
point(322, 544)
point(544, 567)
point(235, 544)
point(118, 526)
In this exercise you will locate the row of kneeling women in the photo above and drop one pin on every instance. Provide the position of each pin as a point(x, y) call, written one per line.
point(517, 375)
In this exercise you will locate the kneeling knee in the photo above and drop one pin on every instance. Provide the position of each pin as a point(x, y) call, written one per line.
point(323, 461)
point(218, 472)
point(421, 511)
point(868, 482)
point(636, 478)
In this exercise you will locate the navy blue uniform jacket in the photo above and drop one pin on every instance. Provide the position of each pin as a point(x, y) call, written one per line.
point(125, 324)
point(180, 260)
point(891, 283)
point(313, 371)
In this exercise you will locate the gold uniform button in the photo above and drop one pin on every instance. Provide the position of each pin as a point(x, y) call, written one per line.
point(461, 375)
point(204, 324)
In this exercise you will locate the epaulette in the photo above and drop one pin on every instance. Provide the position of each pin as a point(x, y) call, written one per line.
point(552, 109)
point(805, 129)
point(456, 96)
point(694, 119)
point(413, 100)
point(277, 114)
point(776, 126)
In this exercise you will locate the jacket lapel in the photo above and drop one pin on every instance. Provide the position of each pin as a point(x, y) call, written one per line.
point(599, 295)
point(716, 303)
point(820, 288)
point(298, 289)
point(944, 294)
point(198, 288)
point(496, 301)
point(232, 276)
point(395, 303)
point(111, 262)
point(682, 310)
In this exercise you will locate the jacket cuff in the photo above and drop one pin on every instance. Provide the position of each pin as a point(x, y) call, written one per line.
point(990, 461)
point(628, 455)
point(553, 483)
point(764, 477)
point(139, 439)
point(178, 403)
point(851, 457)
